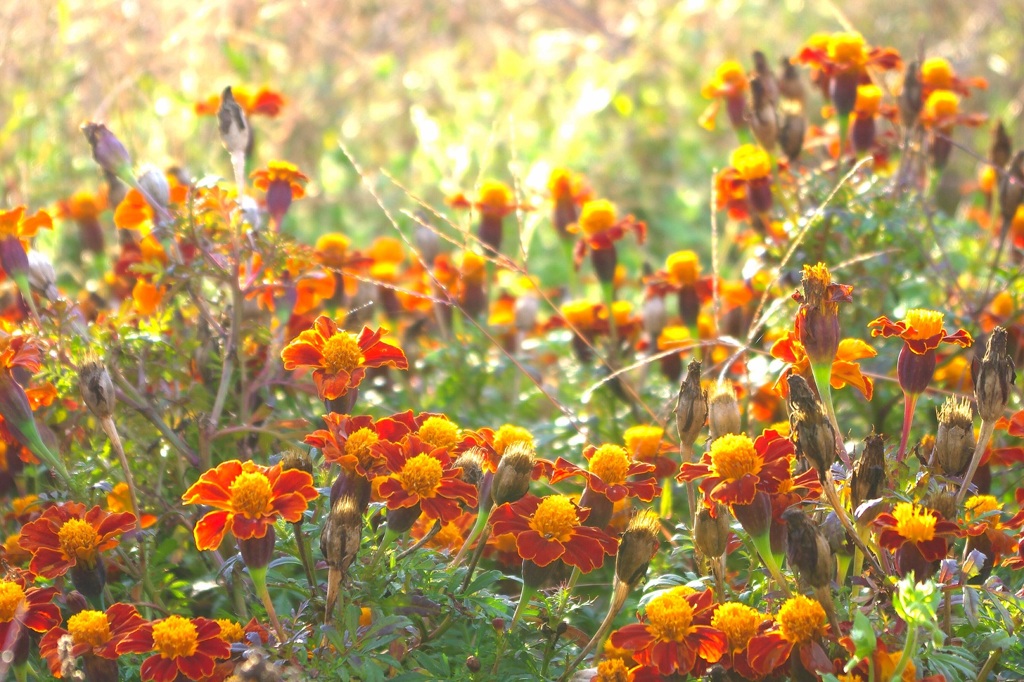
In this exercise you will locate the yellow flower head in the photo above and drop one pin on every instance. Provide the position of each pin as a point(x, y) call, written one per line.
point(869, 100)
point(670, 615)
point(914, 523)
point(751, 162)
point(730, 80)
point(555, 518)
point(683, 267)
point(734, 456)
point(610, 463)
point(739, 622)
point(847, 50)
point(644, 441)
point(802, 620)
point(937, 74)
point(597, 217)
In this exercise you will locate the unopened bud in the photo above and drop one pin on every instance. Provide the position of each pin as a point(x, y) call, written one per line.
point(807, 550)
point(154, 181)
point(257, 552)
point(868, 472)
point(763, 121)
point(711, 533)
point(691, 405)
point(471, 462)
point(41, 275)
point(97, 389)
point(766, 77)
point(342, 533)
point(791, 87)
point(473, 664)
point(526, 309)
point(792, 130)
point(810, 429)
point(911, 97)
point(232, 124)
point(994, 377)
point(638, 545)
point(107, 150)
point(514, 473)
point(427, 241)
point(654, 317)
point(954, 439)
point(723, 409)
point(1002, 147)
point(1011, 188)
point(297, 459)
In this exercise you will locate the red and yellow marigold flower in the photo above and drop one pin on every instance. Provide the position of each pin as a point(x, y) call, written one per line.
point(919, 536)
point(985, 529)
point(736, 468)
point(350, 441)
point(600, 227)
point(941, 112)
point(568, 192)
point(551, 528)
point(753, 169)
point(646, 443)
point(800, 625)
point(675, 636)
point(938, 74)
point(247, 499)
point(181, 647)
point(339, 358)
point(493, 444)
point(283, 183)
point(14, 224)
point(922, 332)
point(611, 472)
point(260, 102)
point(67, 535)
point(24, 608)
point(421, 474)
point(740, 623)
point(494, 201)
point(93, 633)
point(845, 368)
point(119, 500)
point(843, 61)
point(729, 83)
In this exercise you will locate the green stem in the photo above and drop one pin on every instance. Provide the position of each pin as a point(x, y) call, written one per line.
point(908, 654)
point(389, 537)
point(307, 563)
point(524, 600)
point(259, 581)
point(478, 526)
point(823, 379)
point(987, 427)
point(764, 548)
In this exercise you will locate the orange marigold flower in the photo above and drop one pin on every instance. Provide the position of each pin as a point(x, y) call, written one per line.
point(845, 368)
point(24, 608)
point(600, 227)
point(646, 443)
point(751, 162)
point(611, 472)
point(119, 500)
point(261, 102)
point(350, 441)
point(736, 468)
point(731, 194)
point(67, 535)
point(938, 74)
point(918, 535)
point(247, 499)
point(740, 623)
point(421, 474)
point(568, 193)
point(182, 648)
point(283, 183)
point(676, 636)
point(800, 624)
point(729, 83)
point(340, 358)
point(922, 332)
point(14, 224)
point(840, 63)
point(332, 250)
point(93, 633)
point(552, 528)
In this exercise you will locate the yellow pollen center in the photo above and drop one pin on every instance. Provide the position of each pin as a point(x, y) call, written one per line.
point(739, 622)
point(924, 324)
point(684, 267)
point(359, 444)
point(509, 434)
point(597, 217)
point(914, 523)
point(869, 99)
point(801, 620)
point(942, 104)
point(251, 494)
point(421, 475)
point(230, 631)
point(731, 73)
point(669, 617)
point(847, 49)
point(555, 518)
point(495, 195)
point(937, 73)
point(78, 540)
point(342, 352)
point(439, 432)
point(12, 596)
point(613, 670)
point(643, 441)
point(175, 637)
point(89, 627)
point(751, 162)
point(610, 463)
point(580, 314)
point(733, 456)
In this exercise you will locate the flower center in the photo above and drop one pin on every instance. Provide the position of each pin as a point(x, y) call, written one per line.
point(670, 616)
point(643, 441)
point(439, 432)
point(612, 670)
point(555, 518)
point(914, 523)
point(733, 456)
point(251, 494)
point(610, 463)
point(751, 162)
point(731, 72)
point(937, 74)
point(421, 475)
point(979, 505)
point(622, 311)
point(12, 596)
point(78, 539)
point(674, 337)
point(509, 434)
point(942, 104)
point(869, 99)
point(495, 196)
point(801, 620)
point(89, 627)
point(597, 217)
point(580, 314)
point(332, 249)
point(360, 443)
point(847, 49)
point(684, 267)
point(230, 631)
point(739, 622)
point(342, 352)
point(175, 637)
point(560, 183)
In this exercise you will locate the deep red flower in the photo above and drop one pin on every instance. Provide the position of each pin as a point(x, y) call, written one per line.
point(918, 535)
point(349, 441)
point(25, 608)
point(612, 473)
point(424, 475)
point(67, 535)
point(800, 625)
point(181, 646)
point(735, 469)
point(93, 633)
point(552, 528)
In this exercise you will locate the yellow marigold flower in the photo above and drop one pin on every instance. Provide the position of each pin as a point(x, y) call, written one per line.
point(847, 49)
point(730, 79)
point(739, 622)
point(386, 250)
point(439, 432)
point(597, 216)
point(644, 441)
point(733, 456)
point(683, 267)
point(580, 314)
point(914, 523)
point(332, 249)
point(230, 631)
point(508, 434)
point(610, 463)
point(937, 74)
point(869, 101)
point(674, 337)
point(612, 670)
point(802, 620)
point(751, 162)
point(941, 108)
point(495, 198)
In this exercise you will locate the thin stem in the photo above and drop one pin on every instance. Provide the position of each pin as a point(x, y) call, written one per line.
point(908, 653)
point(475, 560)
point(909, 403)
point(422, 541)
point(619, 593)
point(987, 427)
point(478, 527)
point(524, 599)
point(833, 497)
point(259, 581)
point(823, 379)
point(389, 537)
point(304, 556)
point(764, 549)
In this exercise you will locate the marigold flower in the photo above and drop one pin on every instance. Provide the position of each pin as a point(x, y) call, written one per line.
point(646, 443)
point(676, 637)
point(422, 474)
point(24, 608)
point(986, 530)
point(552, 528)
point(181, 647)
point(340, 358)
point(842, 60)
point(600, 227)
point(248, 498)
point(729, 83)
point(740, 623)
point(611, 472)
point(736, 468)
point(938, 74)
point(922, 332)
point(800, 624)
point(350, 441)
point(67, 535)
point(93, 633)
point(494, 201)
point(260, 102)
point(283, 183)
point(753, 167)
point(845, 368)
point(918, 535)
point(568, 192)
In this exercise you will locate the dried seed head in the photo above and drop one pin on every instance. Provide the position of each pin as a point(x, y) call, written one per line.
point(471, 462)
point(791, 87)
point(711, 533)
point(766, 77)
point(1002, 147)
point(342, 533)
point(1011, 188)
point(526, 309)
point(807, 550)
point(817, 321)
point(868, 471)
point(691, 405)
point(638, 545)
point(792, 129)
point(810, 428)
point(723, 409)
point(836, 536)
point(154, 181)
point(910, 98)
point(763, 120)
point(97, 389)
point(514, 473)
point(654, 316)
point(994, 377)
point(41, 275)
point(232, 124)
point(954, 439)
point(297, 459)
point(942, 501)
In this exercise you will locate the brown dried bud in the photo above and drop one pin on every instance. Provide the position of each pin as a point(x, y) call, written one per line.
point(97, 389)
point(232, 124)
point(911, 97)
point(654, 317)
point(942, 501)
point(836, 536)
point(1002, 147)
point(954, 439)
point(791, 87)
point(473, 664)
point(723, 409)
point(711, 533)
point(1011, 189)
point(810, 429)
point(41, 275)
point(514, 473)
point(763, 120)
point(471, 462)
point(297, 459)
point(342, 533)
point(638, 545)
point(691, 405)
point(868, 472)
point(807, 550)
point(154, 182)
point(766, 77)
point(994, 377)
point(792, 129)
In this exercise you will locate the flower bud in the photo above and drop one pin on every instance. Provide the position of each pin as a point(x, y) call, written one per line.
point(97, 389)
point(911, 99)
point(471, 463)
point(76, 602)
point(868, 472)
point(790, 86)
point(807, 550)
point(766, 77)
point(107, 150)
point(638, 545)
point(723, 409)
point(994, 377)
point(473, 664)
point(297, 459)
point(402, 519)
point(791, 132)
point(514, 473)
point(654, 317)
point(342, 533)
point(756, 517)
point(154, 181)
point(232, 124)
point(1002, 147)
point(257, 552)
point(954, 439)
point(711, 533)
point(763, 121)
point(526, 309)
point(1011, 188)
point(691, 405)
point(811, 431)
point(41, 275)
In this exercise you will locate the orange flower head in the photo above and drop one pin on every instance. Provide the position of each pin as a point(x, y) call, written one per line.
point(612, 670)
point(914, 523)
point(670, 615)
point(683, 268)
point(847, 50)
point(937, 74)
point(941, 109)
point(730, 80)
point(802, 620)
point(674, 336)
point(580, 314)
point(555, 518)
point(733, 456)
point(423, 474)
point(67, 535)
point(508, 434)
point(921, 330)
point(181, 648)
point(332, 249)
point(495, 198)
point(610, 463)
point(563, 185)
point(12, 596)
point(597, 217)
point(739, 622)
point(230, 631)
point(472, 267)
point(869, 101)
point(644, 441)
point(439, 432)
point(751, 162)
point(285, 174)
point(89, 627)
point(978, 506)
